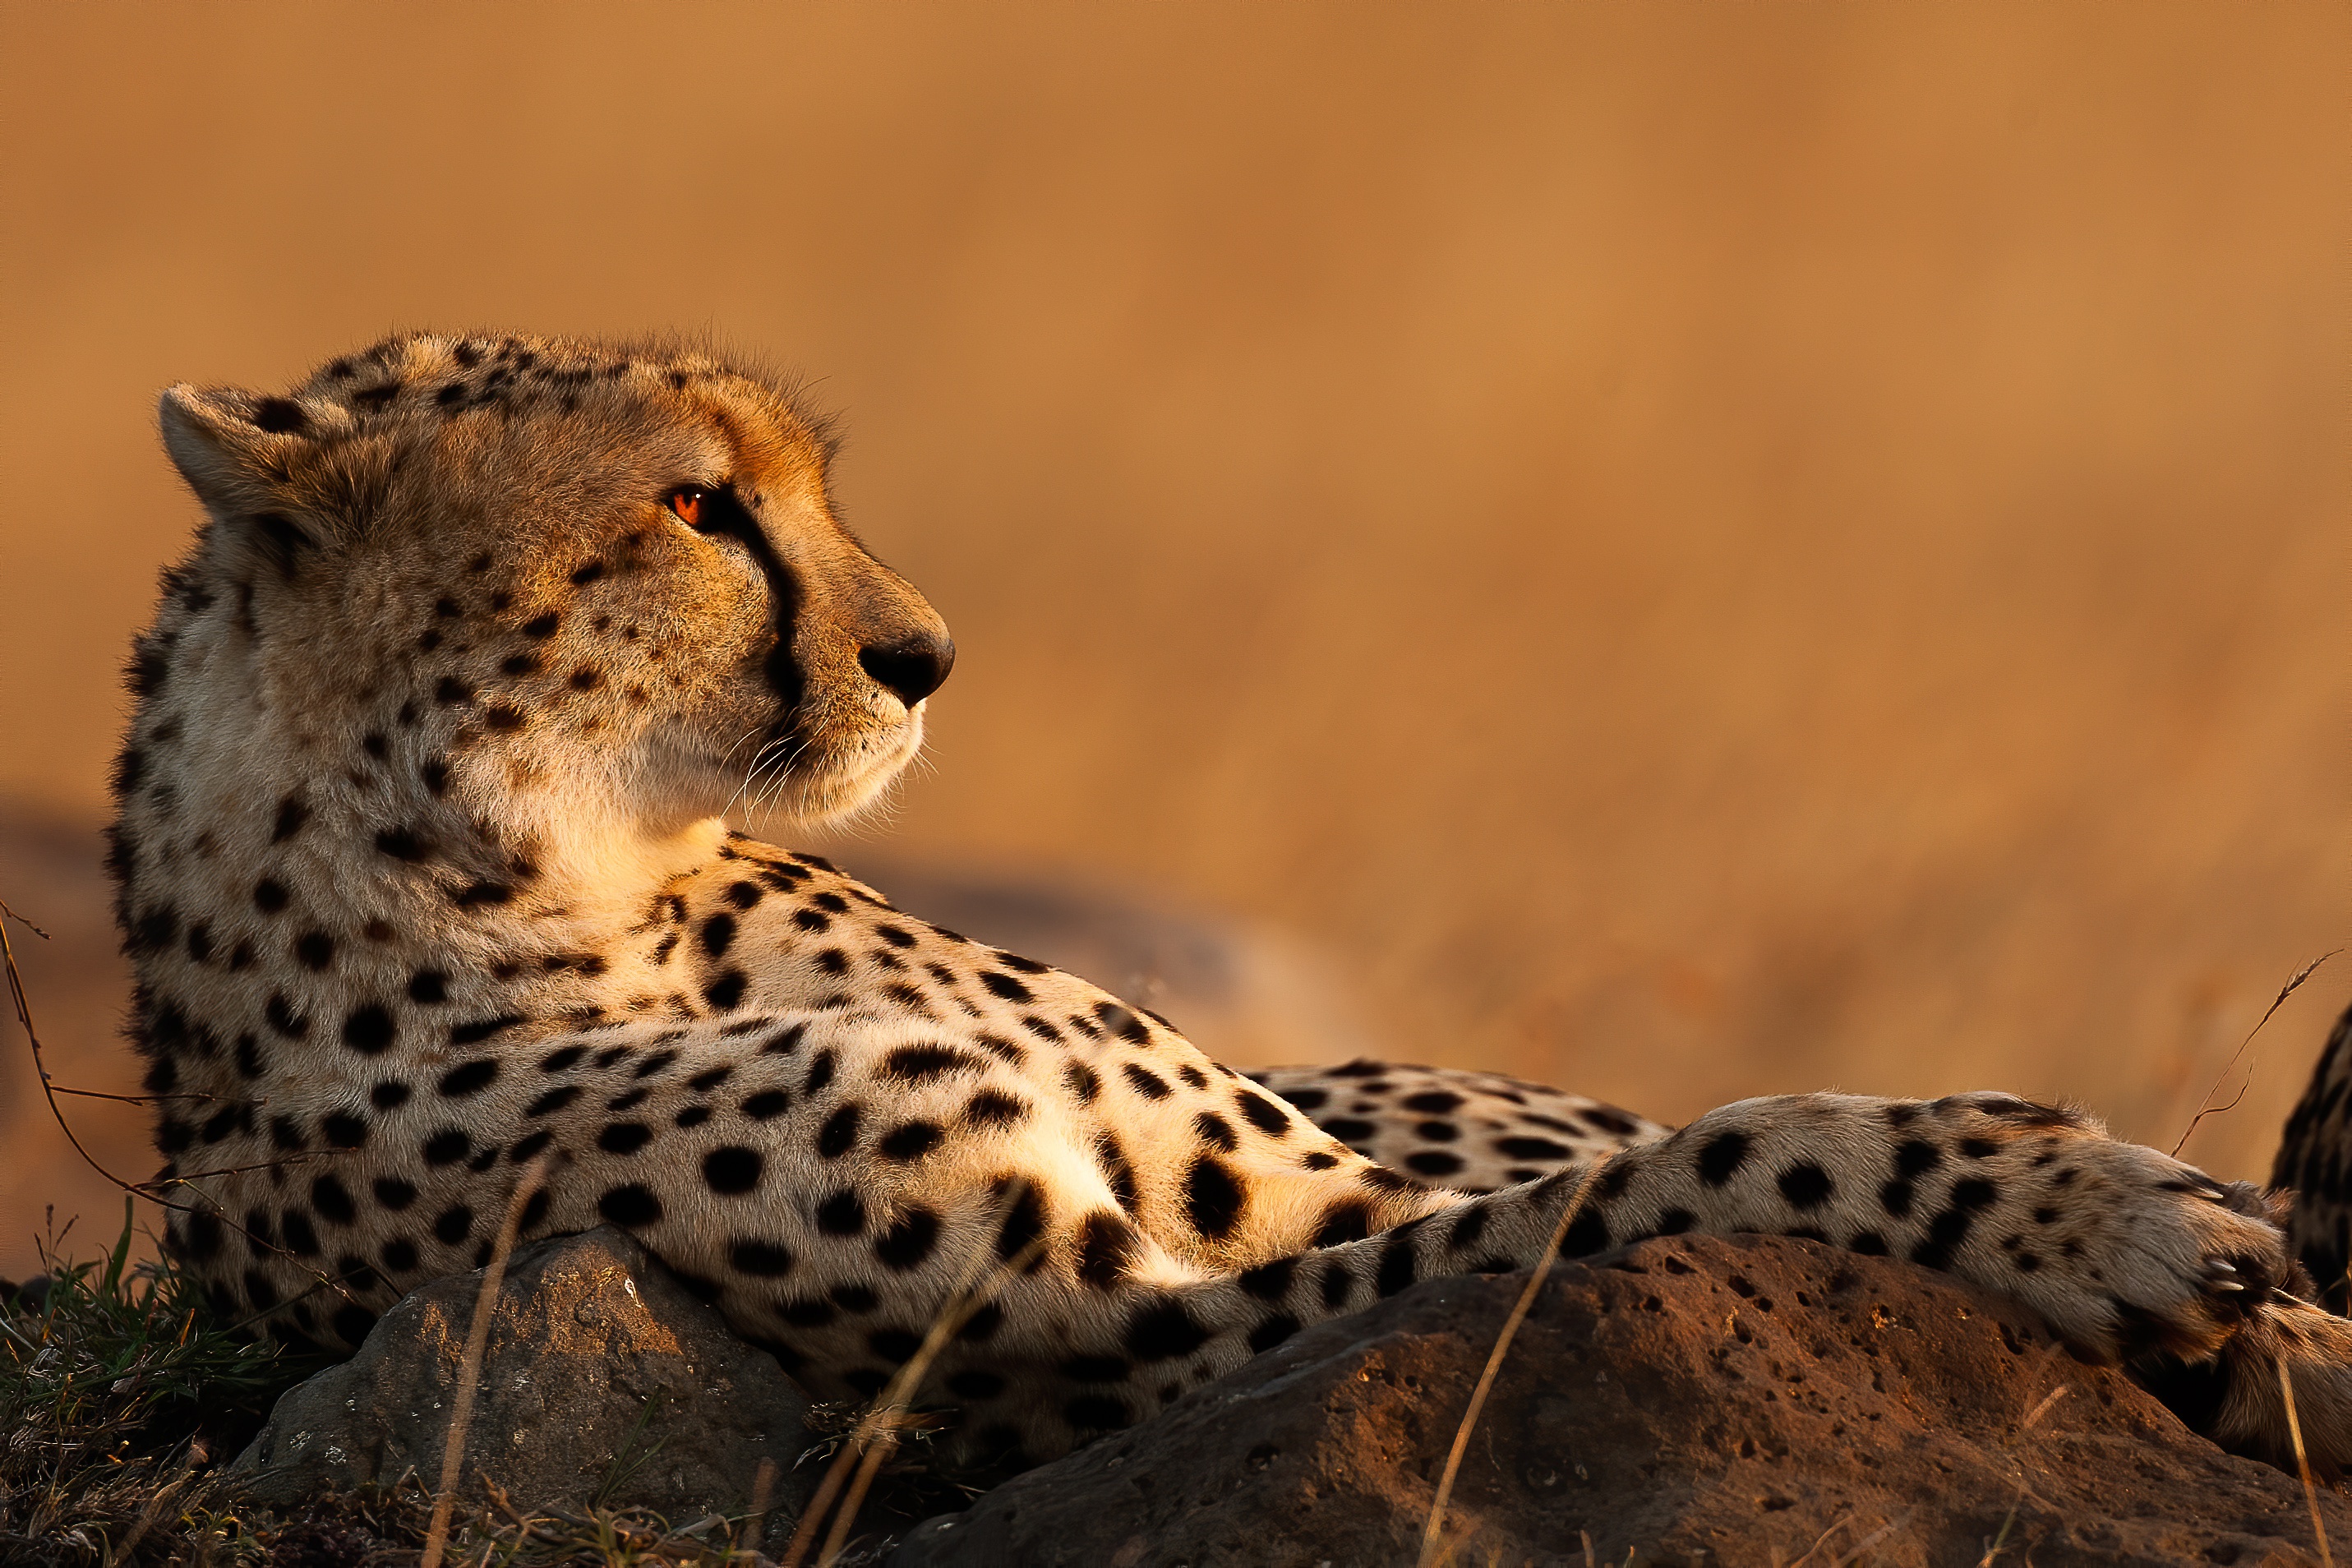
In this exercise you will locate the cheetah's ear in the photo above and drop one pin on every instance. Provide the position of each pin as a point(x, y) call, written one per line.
point(255, 463)
point(234, 448)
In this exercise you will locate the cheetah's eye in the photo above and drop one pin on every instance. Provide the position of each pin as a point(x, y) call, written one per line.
point(686, 503)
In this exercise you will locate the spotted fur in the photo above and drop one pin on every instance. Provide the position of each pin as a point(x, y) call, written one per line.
point(424, 866)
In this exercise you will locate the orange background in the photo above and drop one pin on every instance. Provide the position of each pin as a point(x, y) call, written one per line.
point(1688, 550)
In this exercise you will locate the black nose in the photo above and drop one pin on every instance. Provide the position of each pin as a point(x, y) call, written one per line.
point(912, 670)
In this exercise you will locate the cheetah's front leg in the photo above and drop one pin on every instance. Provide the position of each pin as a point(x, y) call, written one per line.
point(2123, 1250)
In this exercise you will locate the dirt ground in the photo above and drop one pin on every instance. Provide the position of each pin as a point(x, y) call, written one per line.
point(1681, 549)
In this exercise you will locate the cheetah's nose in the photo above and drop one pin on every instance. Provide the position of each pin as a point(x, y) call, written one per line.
point(912, 670)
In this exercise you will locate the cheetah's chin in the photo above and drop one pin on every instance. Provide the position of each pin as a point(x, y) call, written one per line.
point(839, 784)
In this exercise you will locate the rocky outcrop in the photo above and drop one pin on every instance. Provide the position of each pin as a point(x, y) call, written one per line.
point(603, 1380)
point(1736, 1401)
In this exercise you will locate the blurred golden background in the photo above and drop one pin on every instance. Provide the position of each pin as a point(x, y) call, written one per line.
point(1682, 551)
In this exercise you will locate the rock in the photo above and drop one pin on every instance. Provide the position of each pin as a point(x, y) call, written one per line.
point(599, 1365)
point(1695, 1399)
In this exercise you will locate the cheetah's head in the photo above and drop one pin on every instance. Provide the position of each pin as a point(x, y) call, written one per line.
point(612, 577)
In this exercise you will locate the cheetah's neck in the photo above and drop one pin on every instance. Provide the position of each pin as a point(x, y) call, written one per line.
point(356, 882)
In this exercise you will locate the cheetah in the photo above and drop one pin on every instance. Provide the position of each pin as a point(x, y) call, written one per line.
point(425, 867)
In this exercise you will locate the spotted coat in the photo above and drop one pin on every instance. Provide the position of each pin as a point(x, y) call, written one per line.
point(424, 866)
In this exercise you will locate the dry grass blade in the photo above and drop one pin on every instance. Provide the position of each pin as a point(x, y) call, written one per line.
point(1823, 1539)
point(2207, 1107)
point(1432, 1532)
point(2303, 1463)
point(469, 1368)
point(150, 1191)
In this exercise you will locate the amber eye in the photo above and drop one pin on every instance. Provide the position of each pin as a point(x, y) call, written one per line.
point(686, 503)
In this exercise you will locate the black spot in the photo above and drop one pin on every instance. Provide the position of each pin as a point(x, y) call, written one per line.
point(333, 1202)
point(454, 1225)
point(1107, 1245)
point(475, 894)
point(1264, 1115)
point(268, 896)
point(625, 1137)
point(315, 949)
point(468, 1078)
point(1025, 1222)
point(1213, 1197)
point(1973, 1195)
point(1806, 1185)
point(451, 691)
point(294, 1230)
point(1540, 1149)
point(1433, 1162)
point(1163, 1331)
point(1896, 1197)
point(1004, 985)
point(1337, 1286)
point(709, 1079)
point(914, 1064)
point(368, 1030)
point(910, 1141)
point(280, 416)
point(765, 1258)
point(1149, 1084)
point(906, 1245)
point(1978, 1148)
point(731, 1169)
point(1722, 1157)
point(1118, 1175)
point(726, 993)
point(1083, 1081)
point(561, 1060)
point(1216, 1131)
point(1350, 1219)
point(843, 1214)
point(630, 1204)
point(839, 1133)
point(718, 933)
point(527, 1148)
point(1122, 1022)
point(1397, 1268)
point(447, 1147)
point(429, 986)
point(291, 815)
point(1869, 1243)
point(343, 1129)
point(1587, 1234)
point(994, 1108)
point(819, 1072)
point(1348, 1130)
point(553, 1101)
point(584, 575)
point(1915, 1158)
point(483, 1028)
